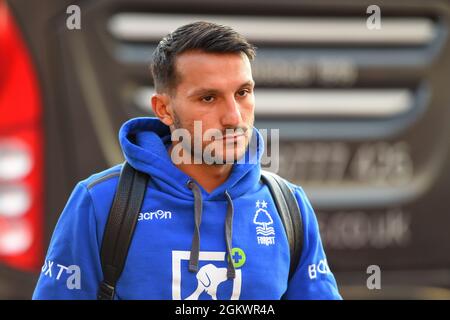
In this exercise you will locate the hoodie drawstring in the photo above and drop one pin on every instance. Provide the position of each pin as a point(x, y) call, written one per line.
point(198, 207)
point(195, 247)
point(231, 272)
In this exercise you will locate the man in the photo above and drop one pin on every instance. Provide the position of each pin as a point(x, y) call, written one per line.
point(202, 76)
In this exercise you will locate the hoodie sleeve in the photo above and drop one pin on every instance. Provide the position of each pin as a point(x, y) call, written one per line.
point(72, 268)
point(313, 278)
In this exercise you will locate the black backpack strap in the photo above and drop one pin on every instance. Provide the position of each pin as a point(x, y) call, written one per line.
point(120, 227)
point(289, 212)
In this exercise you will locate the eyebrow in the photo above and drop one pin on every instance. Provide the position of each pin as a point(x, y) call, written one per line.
point(206, 91)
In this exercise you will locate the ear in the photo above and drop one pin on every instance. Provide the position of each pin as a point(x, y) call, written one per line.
point(161, 108)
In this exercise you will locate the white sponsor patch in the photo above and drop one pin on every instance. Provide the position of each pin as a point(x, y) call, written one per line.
point(209, 276)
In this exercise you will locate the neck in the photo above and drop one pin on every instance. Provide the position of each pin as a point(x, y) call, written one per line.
point(208, 176)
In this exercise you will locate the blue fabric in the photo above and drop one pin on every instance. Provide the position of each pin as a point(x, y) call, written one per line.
point(157, 263)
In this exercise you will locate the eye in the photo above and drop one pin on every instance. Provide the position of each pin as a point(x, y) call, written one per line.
point(207, 99)
point(243, 92)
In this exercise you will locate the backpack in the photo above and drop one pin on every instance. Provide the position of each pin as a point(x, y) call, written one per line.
point(126, 207)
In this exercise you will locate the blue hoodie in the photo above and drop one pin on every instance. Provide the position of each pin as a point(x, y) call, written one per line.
point(158, 262)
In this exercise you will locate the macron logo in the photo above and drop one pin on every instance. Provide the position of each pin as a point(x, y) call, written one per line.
point(157, 215)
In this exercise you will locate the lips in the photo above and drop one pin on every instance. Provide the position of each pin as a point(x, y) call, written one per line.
point(234, 136)
point(231, 139)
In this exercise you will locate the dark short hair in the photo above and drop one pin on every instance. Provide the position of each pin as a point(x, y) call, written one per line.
point(201, 35)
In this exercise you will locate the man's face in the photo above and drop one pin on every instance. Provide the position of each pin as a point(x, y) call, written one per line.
point(216, 89)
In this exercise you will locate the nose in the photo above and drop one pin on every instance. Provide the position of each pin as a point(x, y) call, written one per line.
point(231, 116)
